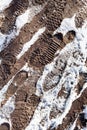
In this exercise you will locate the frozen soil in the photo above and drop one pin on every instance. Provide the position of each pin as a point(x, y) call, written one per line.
point(43, 65)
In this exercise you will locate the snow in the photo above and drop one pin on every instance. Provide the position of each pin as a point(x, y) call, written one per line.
point(27, 17)
point(9, 106)
point(84, 1)
point(73, 125)
point(4, 89)
point(3, 120)
point(85, 112)
point(39, 85)
point(4, 4)
point(2, 40)
point(31, 42)
point(66, 25)
point(71, 74)
point(6, 110)
point(21, 20)
point(75, 65)
point(5, 39)
point(25, 67)
point(84, 128)
point(48, 98)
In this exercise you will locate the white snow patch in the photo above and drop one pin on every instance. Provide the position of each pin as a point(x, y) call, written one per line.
point(74, 66)
point(21, 20)
point(73, 125)
point(4, 89)
point(25, 67)
point(9, 106)
point(2, 40)
point(6, 110)
point(85, 128)
point(27, 17)
point(66, 25)
point(5, 39)
point(31, 42)
point(40, 82)
point(4, 4)
point(85, 112)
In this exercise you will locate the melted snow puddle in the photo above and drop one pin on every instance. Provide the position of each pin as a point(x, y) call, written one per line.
point(21, 20)
point(74, 66)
